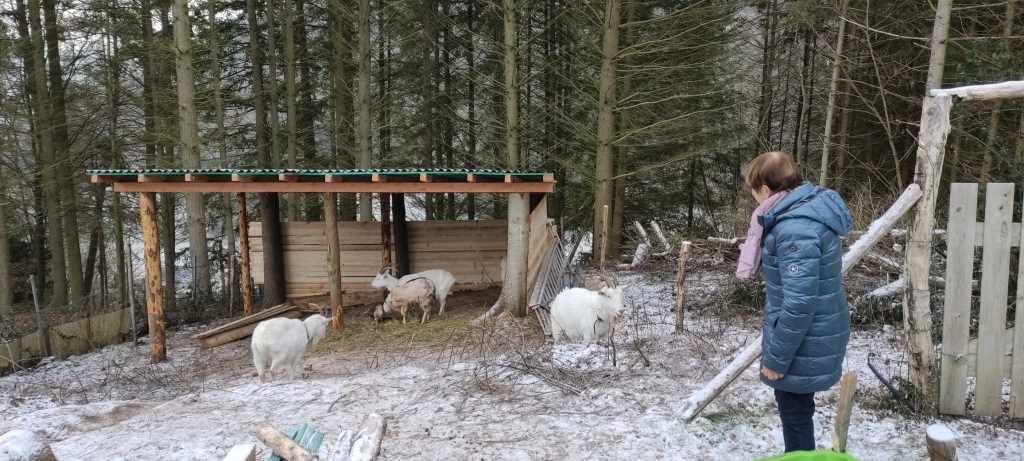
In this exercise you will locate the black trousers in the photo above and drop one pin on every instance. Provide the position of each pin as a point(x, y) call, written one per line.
point(797, 414)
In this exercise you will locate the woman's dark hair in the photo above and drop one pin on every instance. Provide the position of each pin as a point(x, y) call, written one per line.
point(777, 170)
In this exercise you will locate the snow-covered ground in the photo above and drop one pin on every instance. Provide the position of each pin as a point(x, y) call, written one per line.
point(113, 405)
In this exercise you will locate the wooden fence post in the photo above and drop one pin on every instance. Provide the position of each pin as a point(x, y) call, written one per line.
point(333, 259)
point(995, 280)
point(956, 316)
point(684, 256)
point(942, 443)
point(246, 262)
point(847, 389)
point(154, 287)
point(917, 296)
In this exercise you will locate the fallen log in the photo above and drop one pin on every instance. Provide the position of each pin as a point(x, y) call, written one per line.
point(366, 446)
point(878, 229)
point(643, 251)
point(282, 445)
point(666, 247)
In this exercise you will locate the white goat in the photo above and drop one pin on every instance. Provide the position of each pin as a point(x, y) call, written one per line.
point(586, 315)
point(418, 292)
point(278, 344)
point(441, 279)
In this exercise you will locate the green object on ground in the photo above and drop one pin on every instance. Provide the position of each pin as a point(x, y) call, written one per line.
point(306, 437)
point(819, 455)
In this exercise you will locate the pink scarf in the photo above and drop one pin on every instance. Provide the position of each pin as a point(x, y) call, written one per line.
point(750, 253)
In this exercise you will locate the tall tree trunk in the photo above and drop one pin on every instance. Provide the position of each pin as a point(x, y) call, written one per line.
point(6, 292)
point(275, 114)
point(383, 80)
point(993, 124)
point(844, 136)
point(188, 129)
point(449, 106)
point(917, 297)
point(605, 160)
point(511, 85)
point(622, 153)
point(833, 88)
point(149, 83)
point(805, 96)
point(307, 110)
point(227, 216)
point(273, 256)
point(341, 32)
point(47, 160)
point(471, 99)
point(99, 193)
point(64, 162)
point(114, 91)
point(291, 93)
point(764, 119)
point(363, 96)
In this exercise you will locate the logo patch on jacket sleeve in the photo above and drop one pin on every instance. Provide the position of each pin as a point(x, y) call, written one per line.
point(793, 269)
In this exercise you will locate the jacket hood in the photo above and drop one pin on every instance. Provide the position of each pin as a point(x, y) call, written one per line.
point(810, 201)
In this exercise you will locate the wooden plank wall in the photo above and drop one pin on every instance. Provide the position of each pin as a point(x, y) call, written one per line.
point(470, 250)
point(995, 355)
point(71, 338)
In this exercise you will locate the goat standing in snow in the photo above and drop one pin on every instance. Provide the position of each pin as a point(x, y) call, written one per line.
point(417, 292)
point(279, 343)
point(586, 315)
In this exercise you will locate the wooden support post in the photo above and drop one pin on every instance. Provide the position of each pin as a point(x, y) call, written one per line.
point(282, 445)
point(917, 298)
point(333, 260)
point(516, 260)
point(684, 256)
point(401, 235)
point(847, 389)
point(385, 228)
point(246, 263)
point(154, 286)
point(942, 443)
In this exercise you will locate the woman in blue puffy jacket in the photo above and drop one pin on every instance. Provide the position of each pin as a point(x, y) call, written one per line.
point(796, 234)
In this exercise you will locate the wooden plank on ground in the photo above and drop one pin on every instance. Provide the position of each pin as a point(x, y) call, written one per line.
point(956, 322)
point(995, 280)
point(1017, 367)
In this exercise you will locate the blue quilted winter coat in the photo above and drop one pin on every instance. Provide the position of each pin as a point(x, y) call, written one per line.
point(806, 319)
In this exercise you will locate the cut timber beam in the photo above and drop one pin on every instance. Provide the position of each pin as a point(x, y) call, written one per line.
point(700, 399)
point(1004, 90)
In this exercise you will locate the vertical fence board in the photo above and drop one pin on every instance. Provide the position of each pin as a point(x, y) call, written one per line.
point(1017, 373)
point(956, 321)
point(994, 289)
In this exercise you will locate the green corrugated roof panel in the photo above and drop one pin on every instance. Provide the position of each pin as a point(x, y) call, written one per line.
point(313, 172)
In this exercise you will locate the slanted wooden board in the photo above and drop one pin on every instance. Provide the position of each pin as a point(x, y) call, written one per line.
point(963, 211)
point(994, 289)
point(242, 328)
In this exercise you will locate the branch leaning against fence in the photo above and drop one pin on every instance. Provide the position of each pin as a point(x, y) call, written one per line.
point(700, 399)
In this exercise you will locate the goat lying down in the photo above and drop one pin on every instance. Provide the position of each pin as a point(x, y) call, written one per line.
point(279, 343)
point(441, 280)
point(584, 315)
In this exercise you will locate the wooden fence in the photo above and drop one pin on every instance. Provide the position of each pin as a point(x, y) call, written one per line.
point(996, 355)
point(470, 250)
point(71, 338)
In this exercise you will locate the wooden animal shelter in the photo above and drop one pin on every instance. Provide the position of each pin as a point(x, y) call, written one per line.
point(336, 257)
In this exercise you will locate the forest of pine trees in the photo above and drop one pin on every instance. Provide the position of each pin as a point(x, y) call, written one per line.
point(648, 107)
